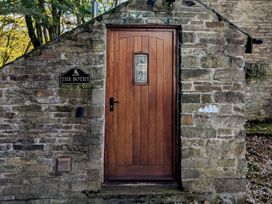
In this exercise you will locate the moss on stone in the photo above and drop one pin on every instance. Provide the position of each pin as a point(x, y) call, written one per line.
point(259, 128)
point(256, 71)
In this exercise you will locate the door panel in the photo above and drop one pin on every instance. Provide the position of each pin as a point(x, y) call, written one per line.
point(140, 131)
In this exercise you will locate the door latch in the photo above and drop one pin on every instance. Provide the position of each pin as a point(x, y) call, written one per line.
point(112, 102)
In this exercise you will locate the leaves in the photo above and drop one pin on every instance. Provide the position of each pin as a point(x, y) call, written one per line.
point(259, 160)
point(14, 40)
point(42, 21)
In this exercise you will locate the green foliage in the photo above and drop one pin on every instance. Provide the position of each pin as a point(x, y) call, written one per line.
point(105, 5)
point(259, 128)
point(14, 40)
point(256, 71)
point(42, 21)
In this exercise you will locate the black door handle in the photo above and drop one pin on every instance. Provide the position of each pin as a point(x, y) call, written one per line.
point(112, 102)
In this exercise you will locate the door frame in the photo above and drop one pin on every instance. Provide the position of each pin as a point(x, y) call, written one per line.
point(176, 90)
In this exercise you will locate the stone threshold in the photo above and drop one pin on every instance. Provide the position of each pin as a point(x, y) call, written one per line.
point(141, 193)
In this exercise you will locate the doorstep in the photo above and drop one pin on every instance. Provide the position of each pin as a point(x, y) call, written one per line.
point(140, 193)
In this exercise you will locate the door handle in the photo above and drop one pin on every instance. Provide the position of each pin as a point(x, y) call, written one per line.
point(112, 102)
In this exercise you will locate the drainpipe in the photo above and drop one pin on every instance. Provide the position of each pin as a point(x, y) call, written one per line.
point(94, 8)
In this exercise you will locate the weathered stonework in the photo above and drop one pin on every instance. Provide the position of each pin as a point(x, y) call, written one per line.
point(254, 16)
point(38, 123)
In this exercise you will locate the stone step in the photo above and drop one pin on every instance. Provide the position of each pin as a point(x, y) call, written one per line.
point(140, 194)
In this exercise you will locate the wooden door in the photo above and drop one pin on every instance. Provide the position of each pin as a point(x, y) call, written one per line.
point(140, 129)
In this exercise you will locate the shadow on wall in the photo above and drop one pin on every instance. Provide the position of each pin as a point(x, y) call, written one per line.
point(268, 106)
point(259, 91)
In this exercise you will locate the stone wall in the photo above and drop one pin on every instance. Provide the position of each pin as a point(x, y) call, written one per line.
point(255, 17)
point(212, 103)
point(38, 123)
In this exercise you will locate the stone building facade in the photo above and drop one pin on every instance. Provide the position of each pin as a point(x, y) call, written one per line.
point(254, 16)
point(47, 152)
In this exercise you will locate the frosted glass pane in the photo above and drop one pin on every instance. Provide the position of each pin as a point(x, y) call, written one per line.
point(140, 68)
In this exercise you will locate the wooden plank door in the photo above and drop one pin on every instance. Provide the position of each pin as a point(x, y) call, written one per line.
point(140, 124)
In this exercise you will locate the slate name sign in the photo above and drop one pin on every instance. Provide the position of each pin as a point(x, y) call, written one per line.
point(74, 76)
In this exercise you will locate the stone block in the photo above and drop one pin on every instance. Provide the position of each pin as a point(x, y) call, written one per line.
point(191, 163)
point(190, 173)
point(229, 75)
point(236, 40)
point(28, 147)
point(239, 109)
point(189, 108)
point(217, 149)
point(202, 120)
point(98, 97)
point(197, 22)
point(189, 62)
point(227, 163)
point(188, 37)
point(226, 109)
point(186, 87)
point(31, 62)
point(95, 111)
point(81, 165)
point(197, 132)
point(97, 73)
point(240, 133)
point(96, 125)
point(224, 132)
point(230, 185)
point(227, 148)
point(74, 92)
point(238, 148)
point(4, 147)
point(6, 113)
point(84, 36)
point(176, 21)
point(193, 142)
point(195, 74)
point(44, 93)
point(94, 174)
point(204, 16)
point(228, 121)
point(218, 24)
point(207, 86)
point(81, 139)
point(215, 61)
point(232, 49)
point(62, 108)
point(190, 98)
point(96, 139)
point(191, 153)
point(84, 186)
point(20, 162)
point(229, 97)
point(98, 46)
point(41, 77)
point(28, 108)
point(186, 120)
point(237, 61)
point(206, 98)
point(209, 40)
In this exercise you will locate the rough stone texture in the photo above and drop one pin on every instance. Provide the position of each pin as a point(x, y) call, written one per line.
point(38, 123)
point(254, 16)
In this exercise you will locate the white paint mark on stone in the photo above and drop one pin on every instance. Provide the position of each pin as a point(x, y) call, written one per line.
point(63, 57)
point(209, 109)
